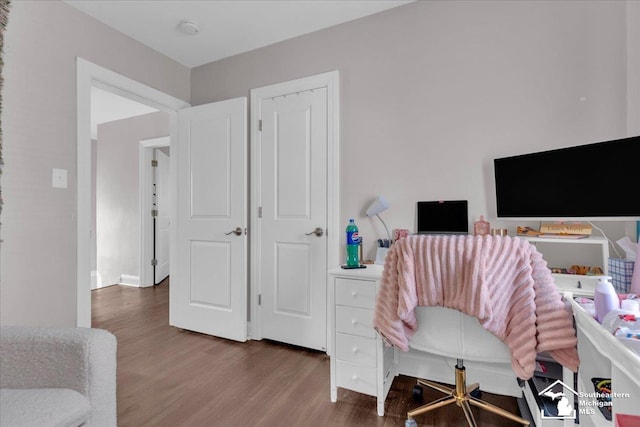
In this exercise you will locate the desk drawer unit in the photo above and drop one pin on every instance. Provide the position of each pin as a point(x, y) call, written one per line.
point(356, 349)
point(578, 285)
point(355, 293)
point(356, 377)
point(355, 321)
point(359, 361)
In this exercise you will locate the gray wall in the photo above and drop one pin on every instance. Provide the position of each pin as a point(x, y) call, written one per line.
point(117, 190)
point(43, 39)
point(432, 91)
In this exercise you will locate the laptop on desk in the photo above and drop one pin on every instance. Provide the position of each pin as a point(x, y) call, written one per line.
point(442, 217)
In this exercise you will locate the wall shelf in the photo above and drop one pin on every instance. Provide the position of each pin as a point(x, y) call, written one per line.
point(580, 285)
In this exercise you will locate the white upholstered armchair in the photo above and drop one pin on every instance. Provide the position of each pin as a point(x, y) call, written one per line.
point(57, 377)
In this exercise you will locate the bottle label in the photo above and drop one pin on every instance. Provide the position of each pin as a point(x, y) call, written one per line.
point(353, 238)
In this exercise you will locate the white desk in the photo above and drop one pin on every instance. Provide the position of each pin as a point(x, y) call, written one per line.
point(361, 362)
point(603, 355)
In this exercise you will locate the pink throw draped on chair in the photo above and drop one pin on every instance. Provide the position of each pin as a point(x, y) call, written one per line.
point(502, 281)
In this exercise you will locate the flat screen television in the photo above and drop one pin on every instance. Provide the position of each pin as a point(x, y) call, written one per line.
point(593, 181)
point(443, 217)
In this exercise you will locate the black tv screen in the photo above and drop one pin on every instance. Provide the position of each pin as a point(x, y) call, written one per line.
point(588, 181)
point(443, 217)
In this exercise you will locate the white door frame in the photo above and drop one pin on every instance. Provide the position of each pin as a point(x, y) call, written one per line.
point(146, 223)
point(88, 75)
point(330, 80)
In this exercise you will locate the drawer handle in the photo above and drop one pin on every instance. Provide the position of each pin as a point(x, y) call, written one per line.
point(355, 350)
point(354, 322)
point(354, 377)
point(354, 294)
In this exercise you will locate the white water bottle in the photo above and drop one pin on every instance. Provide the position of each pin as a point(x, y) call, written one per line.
point(605, 298)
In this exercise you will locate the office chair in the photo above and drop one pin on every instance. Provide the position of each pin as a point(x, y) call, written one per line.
point(451, 333)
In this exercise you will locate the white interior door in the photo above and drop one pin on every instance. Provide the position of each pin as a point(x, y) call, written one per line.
point(209, 288)
point(163, 206)
point(293, 200)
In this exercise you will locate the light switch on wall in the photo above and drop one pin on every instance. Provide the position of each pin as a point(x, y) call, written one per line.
point(59, 179)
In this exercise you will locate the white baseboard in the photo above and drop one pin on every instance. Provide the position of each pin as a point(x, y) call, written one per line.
point(129, 280)
point(96, 280)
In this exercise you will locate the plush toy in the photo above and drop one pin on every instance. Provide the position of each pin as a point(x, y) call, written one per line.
point(596, 271)
point(579, 269)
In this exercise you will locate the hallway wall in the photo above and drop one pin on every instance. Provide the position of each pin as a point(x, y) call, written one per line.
point(117, 191)
point(39, 225)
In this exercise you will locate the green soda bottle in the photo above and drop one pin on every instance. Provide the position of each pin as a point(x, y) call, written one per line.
point(353, 243)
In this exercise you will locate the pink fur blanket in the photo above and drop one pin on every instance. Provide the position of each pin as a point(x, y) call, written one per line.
point(502, 281)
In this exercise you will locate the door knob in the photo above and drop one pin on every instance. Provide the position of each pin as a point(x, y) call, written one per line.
point(318, 232)
point(237, 231)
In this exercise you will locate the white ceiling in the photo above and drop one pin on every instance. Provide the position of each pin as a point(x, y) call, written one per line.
point(227, 27)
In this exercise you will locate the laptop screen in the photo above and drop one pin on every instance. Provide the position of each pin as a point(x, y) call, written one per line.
point(443, 217)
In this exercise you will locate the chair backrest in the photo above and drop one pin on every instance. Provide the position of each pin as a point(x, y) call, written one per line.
point(451, 333)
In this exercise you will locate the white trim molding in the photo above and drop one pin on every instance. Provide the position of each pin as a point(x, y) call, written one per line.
point(88, 75)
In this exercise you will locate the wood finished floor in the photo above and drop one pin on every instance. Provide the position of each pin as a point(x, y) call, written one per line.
point(172, 377)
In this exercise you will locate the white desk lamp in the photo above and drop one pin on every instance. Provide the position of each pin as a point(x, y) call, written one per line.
point(380, 204)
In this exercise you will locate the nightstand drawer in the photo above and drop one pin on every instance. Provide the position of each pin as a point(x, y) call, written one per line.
point(355, 293)
point(356, 377)
point(355, 321)
point(356, 349)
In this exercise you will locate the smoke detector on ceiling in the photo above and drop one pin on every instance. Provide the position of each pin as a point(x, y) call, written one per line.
point(190, 28)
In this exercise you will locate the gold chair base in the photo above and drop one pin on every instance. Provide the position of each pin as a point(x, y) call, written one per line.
point(460, 395)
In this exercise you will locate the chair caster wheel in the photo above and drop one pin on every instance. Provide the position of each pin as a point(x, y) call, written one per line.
point(417, 394)
point(477, 393)
point(410, 423)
